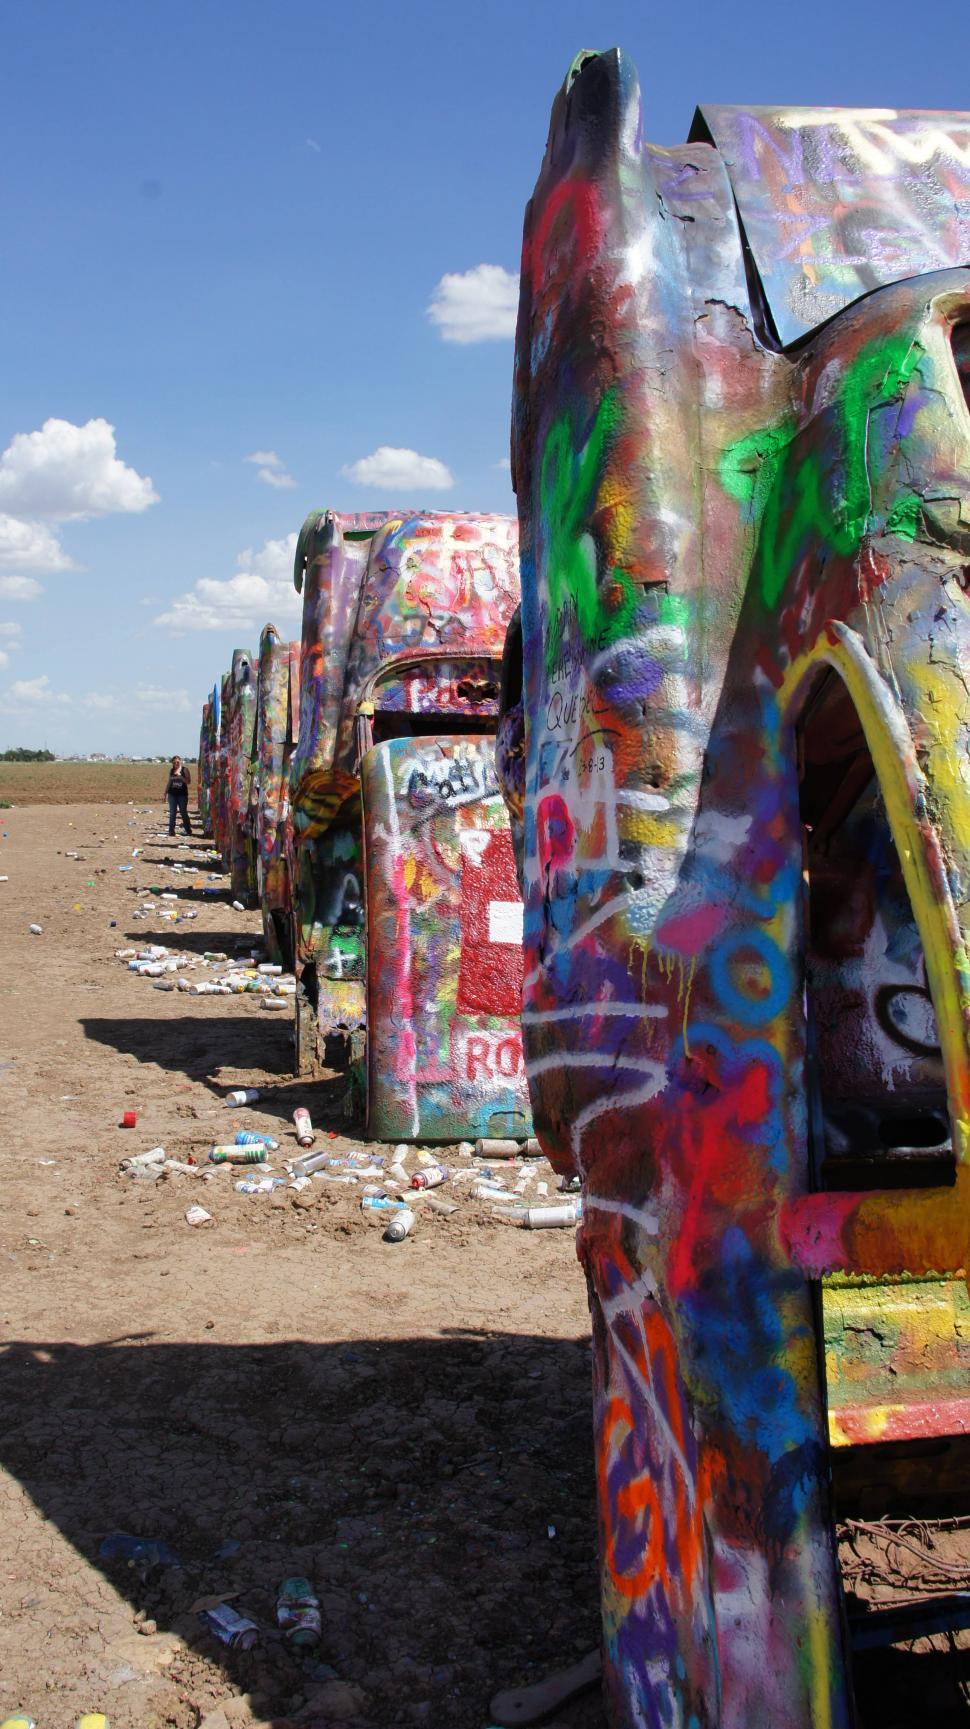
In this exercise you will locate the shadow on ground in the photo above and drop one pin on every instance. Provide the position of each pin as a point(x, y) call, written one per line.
point(439, 1493)
point(218, 1048)
point(233, 944)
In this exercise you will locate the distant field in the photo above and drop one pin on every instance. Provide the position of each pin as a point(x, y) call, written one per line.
point(87, 782)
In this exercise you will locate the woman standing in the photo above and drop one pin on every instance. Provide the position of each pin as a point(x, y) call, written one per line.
point(177, 792)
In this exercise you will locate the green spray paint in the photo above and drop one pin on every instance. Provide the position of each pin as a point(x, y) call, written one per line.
point(787, 490)
point(569, 490)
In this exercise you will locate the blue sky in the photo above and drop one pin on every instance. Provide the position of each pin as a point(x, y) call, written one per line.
point(224, 226)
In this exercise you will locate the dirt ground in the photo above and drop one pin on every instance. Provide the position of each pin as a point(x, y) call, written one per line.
point(23, 783)
point(278, 1392)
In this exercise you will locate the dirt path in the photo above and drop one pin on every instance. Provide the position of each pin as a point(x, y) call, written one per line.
point(280, 1392)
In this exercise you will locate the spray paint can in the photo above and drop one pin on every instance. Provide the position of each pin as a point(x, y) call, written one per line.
point(399, 1226)
point(298, 1612)
point(236, 1631)
point(237, 1155)
point(304, 1128)
point(540, 1218)
point(488, 1149)
point(489, 1192)
point(304, 1167)
point(249, 1138)
point(430, 1177)
point(242, 1096)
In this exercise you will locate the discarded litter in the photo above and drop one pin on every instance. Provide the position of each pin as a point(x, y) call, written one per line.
point(399, 1227)
point(249, 1138)
point(430, 1177)
point(196, 1215)
point(230, 1628)
point(142, 1553)
point(129, 1120)
point(381, 1203)
point(273, 1003)
point(489, 1149)
point(141, 1161)
point(238, 1155)
point(35, 930)
point(304, 1128)
point(313, 1162)
point(298, 1612)
point(259, 1185)
point(539, 1218)
point(242, 1096)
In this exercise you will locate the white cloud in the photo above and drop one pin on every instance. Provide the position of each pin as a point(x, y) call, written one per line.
point(271, 469)
point(66, 472)
point(476, 305)
point(156, 696)
point(25, 692)
point(505, 464)
point(4, 657)
point(400, 471)
point(10, 629)
point(98, 699)
point(30, 546)
point(260, 591)
point(19, 588)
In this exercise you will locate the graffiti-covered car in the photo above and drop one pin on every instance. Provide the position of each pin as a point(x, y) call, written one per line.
point(237, 730)
point(208, 757)
point(274, 739)
point(407, 916)
point(737, 755)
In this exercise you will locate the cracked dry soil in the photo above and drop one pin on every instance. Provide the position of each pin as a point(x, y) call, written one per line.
point(280, 1392)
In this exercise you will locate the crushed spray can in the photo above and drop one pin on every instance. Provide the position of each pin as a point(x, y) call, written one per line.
point(237, 1155)
point(249, 1138)
point(230, 1628)
point(242, 1096)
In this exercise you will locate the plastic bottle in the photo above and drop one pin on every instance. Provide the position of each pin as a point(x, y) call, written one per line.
point(399, 1226)
point(298, 1612)
point(430, 1177)
point(141, 1552)
point(304, 1128)
point(238, 1155)
point(242, 1096)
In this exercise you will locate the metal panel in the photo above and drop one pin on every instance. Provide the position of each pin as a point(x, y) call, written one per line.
point(838, 201)
point(444, 954)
